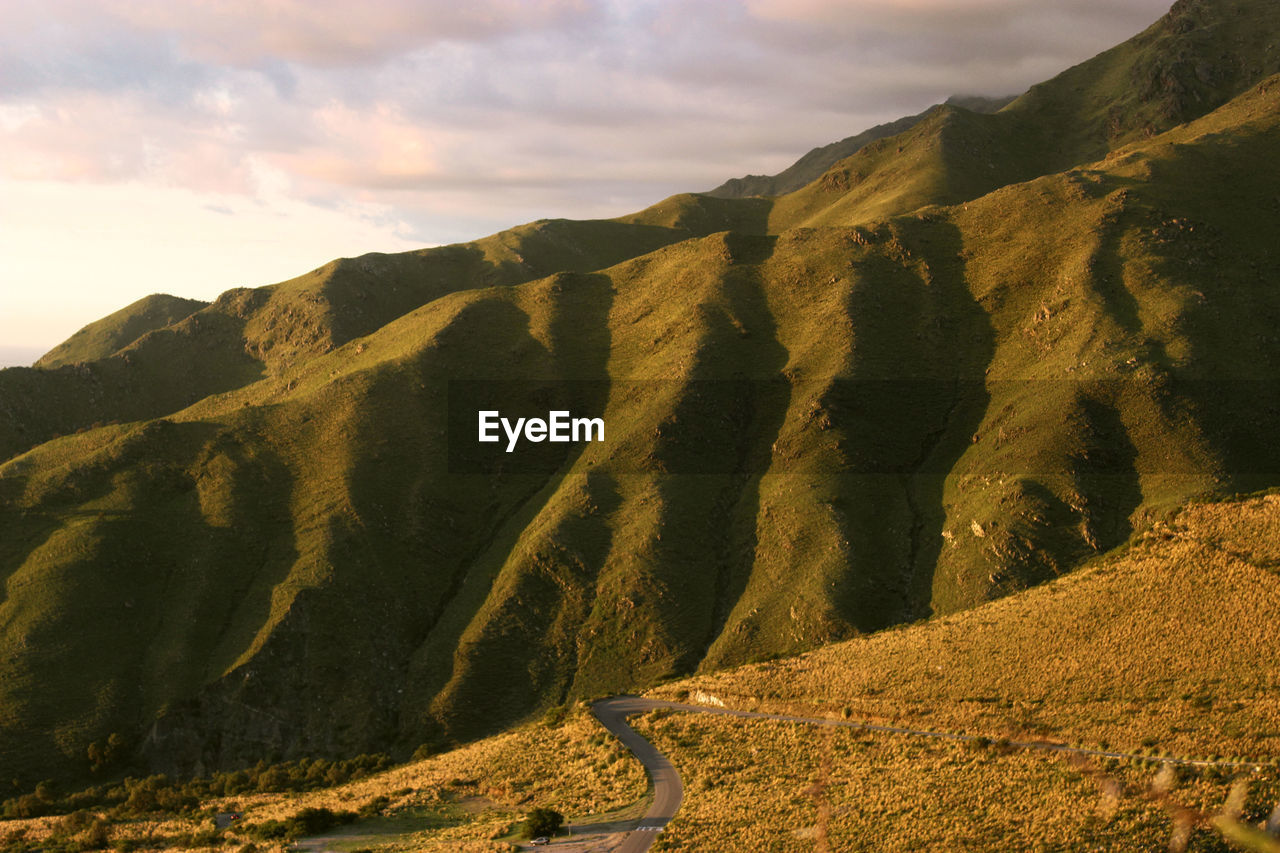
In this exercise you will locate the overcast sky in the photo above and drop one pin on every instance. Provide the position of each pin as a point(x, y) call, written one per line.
point(190, 146)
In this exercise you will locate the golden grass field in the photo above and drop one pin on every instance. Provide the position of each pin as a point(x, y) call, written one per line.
point(761, 785)
point(1169, 647)
point(1165, 648)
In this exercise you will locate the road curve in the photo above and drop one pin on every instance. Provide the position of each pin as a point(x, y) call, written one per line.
point(668, 791)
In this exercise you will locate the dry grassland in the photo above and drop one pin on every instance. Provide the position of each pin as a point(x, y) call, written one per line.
point(464, 800)
point(1168, 648)
point(759, 785)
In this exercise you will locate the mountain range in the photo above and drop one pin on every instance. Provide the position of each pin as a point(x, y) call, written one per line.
point(939, 363)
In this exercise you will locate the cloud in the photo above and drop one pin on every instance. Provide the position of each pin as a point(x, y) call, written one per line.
point(974, 46)
point(452, 120)
point(409, 95)
point(329, 32)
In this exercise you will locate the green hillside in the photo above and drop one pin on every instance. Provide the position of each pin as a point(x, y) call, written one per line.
point(813, 165)
point(1154, 653)
point(961, 363)
point(1185, 65)
point(116, 331)
point(247, 334)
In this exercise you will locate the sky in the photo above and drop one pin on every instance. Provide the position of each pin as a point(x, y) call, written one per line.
point(154, 146)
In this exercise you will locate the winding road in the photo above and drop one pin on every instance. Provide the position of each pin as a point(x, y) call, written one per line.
point(668, 791)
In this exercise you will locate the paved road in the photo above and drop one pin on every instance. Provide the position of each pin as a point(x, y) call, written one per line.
point(667, 790)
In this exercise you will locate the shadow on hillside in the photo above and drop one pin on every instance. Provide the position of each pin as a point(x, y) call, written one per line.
point(907, 414)
point(1107, 476)
point(162, 372)
point(710, 452)
point(497, 625)
point(151, 600)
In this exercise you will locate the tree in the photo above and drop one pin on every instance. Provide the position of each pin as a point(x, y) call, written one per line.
point(105, 754)
point(541, 822)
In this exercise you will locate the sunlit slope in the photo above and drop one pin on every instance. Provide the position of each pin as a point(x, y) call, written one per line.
point(115, 331)
point(811, 166)
point(1194, 59)
point(1167, 646)
point(137, 367)
point(1165, 649)
point(1137, 358)
point(811, 435)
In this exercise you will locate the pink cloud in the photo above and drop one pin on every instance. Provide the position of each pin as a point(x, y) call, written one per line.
point(92, 137)
point(325, 32)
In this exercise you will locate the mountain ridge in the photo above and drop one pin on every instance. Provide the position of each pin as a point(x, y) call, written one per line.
point(902, 390)
point(812, 165)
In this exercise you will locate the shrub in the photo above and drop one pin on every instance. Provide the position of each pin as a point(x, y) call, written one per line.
point(375, 806)
point(309, 821)
point(312, 821)
point(542, 821)
point(28, 805)
point(97, 836)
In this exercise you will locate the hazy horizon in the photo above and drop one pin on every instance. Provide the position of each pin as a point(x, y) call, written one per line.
point(11, 356)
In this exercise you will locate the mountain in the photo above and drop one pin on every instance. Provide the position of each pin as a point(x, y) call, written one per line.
point(811, 166)
point(962, 362)
point(248, 334)
point(114, 332)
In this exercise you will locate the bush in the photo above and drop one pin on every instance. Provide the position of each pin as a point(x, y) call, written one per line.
point(542, 821)
point(310, 821)
point(75, 822)
point(97, 836)
point(375, 806)
point(28, 805)
point(139, 797)
point(315, 821)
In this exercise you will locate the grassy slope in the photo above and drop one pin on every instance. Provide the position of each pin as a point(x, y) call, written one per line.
point(795, 787)
point(813, 165)
point(1160, 649)
point(1165, 648)
point(248, 333)
point(116, 331)
point(924, 412)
